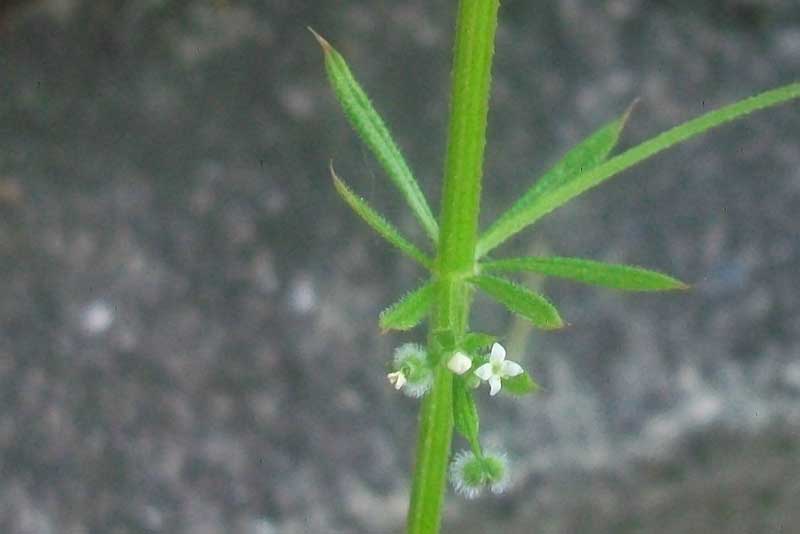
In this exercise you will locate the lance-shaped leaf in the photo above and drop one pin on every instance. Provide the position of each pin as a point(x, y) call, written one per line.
point(520, 300)
point(378, 223)
point(465, 414)
point(409, 311)
point(624, 277)
point(558, 196)
point(587, 154)
point(519, 385)
point(370, 127)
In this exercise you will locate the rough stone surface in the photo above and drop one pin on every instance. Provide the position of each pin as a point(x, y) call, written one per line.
point(188, 339)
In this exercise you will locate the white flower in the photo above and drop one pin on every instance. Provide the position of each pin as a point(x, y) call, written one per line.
point(412, 372)
point(397, 379)
point(460, 363)
point(497, 369)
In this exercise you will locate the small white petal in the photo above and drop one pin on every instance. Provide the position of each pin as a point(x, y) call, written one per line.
point(511, 369)
point(498, 353)
point(460, 363)
point(494, 385)
point(397, 379)
point(484, 372)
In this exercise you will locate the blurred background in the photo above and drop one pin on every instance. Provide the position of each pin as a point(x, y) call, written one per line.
point(188, 313)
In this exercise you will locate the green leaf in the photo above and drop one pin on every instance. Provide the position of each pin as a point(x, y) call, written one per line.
point(624, 277)
point(475, 341)
point(465, 414)
point(520, 300)
point(378, 223)
point(589, 178)
point(520, 385)
point(370, 127)
point(587, 154)
point(409, 311)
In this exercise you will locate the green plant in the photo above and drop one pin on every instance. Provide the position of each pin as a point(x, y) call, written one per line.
point(456, 359)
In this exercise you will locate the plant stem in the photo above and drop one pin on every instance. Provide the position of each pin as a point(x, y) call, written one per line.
point(474, 47)
point(475, 29)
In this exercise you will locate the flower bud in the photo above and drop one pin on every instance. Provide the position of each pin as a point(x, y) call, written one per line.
point(459, 363)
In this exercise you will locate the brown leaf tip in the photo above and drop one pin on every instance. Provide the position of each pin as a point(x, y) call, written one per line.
point(326, 46)
point(633, 105)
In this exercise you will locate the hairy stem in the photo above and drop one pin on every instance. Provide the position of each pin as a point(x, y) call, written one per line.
point(474, 47)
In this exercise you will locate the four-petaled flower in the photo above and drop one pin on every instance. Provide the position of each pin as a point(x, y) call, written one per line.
point(497, 369)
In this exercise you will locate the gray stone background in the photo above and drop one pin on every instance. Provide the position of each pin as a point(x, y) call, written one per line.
point(188, 339)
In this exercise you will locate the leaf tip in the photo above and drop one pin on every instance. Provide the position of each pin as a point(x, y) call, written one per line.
point(625, 116)
point(673, 284)
point(339, 184)
point(334, 176)
point(384, 328)
point(556, 322)
point(326, 46)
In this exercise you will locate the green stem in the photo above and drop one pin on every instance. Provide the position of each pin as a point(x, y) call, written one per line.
point(474, 47)
point(433, 451)
point(475, 28)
